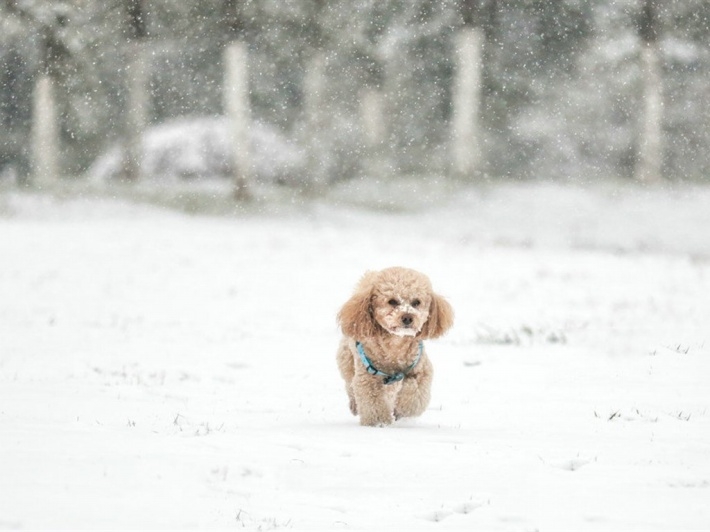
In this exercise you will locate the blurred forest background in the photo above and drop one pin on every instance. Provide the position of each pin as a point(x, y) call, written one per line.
point(312, 92)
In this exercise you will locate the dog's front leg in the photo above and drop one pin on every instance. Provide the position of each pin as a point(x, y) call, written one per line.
point(416, 392)
point(375, 401)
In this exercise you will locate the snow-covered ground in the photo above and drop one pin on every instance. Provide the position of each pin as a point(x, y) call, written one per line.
point(160, 369)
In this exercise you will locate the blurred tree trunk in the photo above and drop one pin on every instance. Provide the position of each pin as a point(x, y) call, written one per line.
point(479, 19)
point(315, 105)
point(136, 115)
point(467, 102)
point(237, 105)
point(314, 86)
point(374, 117)
point(45, 132)
point(649, 163)
point(46, 139)
point(374, 126)
point(138, 96)
point(372, 107)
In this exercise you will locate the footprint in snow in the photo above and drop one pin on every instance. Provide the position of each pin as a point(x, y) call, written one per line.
point(438, 515)
point(570, 465)
point(467, 507)
point(444, 511)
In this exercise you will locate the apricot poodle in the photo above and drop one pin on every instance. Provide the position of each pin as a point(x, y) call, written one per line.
point(381, 355)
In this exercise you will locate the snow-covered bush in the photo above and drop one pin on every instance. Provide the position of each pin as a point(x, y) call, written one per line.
point(198, 148)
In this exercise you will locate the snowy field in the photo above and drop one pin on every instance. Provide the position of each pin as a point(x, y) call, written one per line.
point(166, 370)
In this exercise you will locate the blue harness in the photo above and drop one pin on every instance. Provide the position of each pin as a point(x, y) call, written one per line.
point(388, 378)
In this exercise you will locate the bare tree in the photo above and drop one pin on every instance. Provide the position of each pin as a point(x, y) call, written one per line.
point(650, 145)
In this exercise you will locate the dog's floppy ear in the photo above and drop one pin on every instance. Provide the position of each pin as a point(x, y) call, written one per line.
point(355, 318)
point(441, 318)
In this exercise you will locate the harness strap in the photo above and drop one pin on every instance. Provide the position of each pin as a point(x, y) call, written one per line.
point(387, 378)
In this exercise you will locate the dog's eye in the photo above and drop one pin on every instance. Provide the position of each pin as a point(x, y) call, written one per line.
point(416, 303)
point(393, 302)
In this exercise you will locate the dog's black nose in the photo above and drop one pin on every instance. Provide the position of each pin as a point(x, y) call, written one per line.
point(407, 320)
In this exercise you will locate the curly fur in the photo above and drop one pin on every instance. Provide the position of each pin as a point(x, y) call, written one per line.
point(389, 313)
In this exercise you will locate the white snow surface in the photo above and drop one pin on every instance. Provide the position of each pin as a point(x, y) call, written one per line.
point(165, 370)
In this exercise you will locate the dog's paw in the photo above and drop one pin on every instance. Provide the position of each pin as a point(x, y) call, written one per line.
point(376, 421)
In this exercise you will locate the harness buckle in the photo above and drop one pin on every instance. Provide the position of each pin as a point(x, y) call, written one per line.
point(389, 379)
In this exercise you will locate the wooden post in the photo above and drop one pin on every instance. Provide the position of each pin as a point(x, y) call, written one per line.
point(237, 108)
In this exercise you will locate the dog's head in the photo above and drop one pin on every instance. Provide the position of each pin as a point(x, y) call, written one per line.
point(396, 301)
